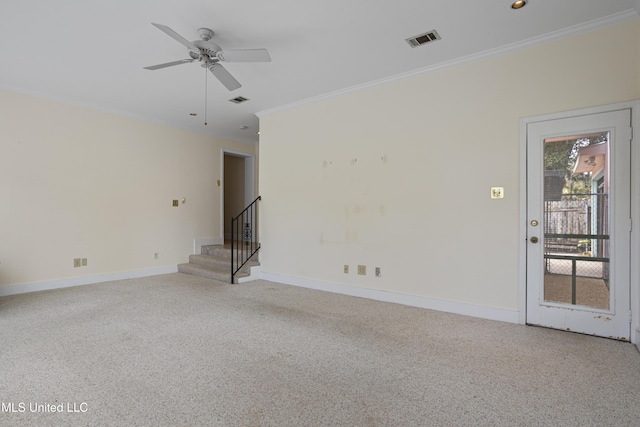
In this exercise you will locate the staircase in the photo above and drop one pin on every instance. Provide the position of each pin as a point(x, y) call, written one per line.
point(214, 262)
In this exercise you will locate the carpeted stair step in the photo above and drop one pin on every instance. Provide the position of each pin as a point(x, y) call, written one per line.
point(225, 251)
point(218, 262)
point(215, 273)
point(215, 263)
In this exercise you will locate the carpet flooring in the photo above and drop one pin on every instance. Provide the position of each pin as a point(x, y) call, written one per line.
point(180, 350)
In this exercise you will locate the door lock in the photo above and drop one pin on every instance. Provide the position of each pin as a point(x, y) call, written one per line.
point(534, 239)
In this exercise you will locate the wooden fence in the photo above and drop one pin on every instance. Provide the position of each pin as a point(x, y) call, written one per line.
point(568, 216)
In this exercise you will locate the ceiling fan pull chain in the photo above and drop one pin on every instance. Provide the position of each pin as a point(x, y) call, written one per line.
point(205, 96)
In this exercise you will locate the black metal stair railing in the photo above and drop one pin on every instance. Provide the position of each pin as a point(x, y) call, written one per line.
point(242, 249)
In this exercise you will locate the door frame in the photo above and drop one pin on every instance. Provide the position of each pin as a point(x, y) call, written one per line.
point(635, 206)
point(249, 181)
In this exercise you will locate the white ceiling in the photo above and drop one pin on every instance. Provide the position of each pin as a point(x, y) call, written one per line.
point(92, 52)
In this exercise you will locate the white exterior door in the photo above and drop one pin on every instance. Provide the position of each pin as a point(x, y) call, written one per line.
point(579, 223)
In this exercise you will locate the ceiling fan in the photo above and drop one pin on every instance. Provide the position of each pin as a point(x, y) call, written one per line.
point(210, 55)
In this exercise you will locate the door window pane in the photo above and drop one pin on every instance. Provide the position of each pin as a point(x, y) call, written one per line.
point(576, 220)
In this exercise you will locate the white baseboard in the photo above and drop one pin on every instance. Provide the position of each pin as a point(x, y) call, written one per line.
point(199, 242)
point(24, 288)
point(490, 313)
point(254, 274)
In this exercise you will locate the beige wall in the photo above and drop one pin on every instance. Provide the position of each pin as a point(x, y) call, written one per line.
point(398, 176)
point(80, 183)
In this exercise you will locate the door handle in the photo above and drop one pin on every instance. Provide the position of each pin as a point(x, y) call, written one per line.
point(534, 239)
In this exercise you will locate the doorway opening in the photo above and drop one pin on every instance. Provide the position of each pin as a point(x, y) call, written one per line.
point(238, 187)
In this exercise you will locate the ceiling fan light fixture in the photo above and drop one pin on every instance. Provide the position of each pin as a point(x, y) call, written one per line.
point(519, 4)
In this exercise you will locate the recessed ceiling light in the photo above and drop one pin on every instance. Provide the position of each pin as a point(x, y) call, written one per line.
point(519, 4)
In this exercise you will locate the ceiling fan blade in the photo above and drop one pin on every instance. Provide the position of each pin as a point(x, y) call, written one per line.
point(168, 31)
point(224, 76)
point(245, 55)
point(169, 64)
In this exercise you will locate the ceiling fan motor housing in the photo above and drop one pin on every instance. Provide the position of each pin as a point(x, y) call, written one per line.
point(207, 48)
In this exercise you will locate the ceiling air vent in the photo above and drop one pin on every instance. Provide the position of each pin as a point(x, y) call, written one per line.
point(429, 36)
point(239, 100)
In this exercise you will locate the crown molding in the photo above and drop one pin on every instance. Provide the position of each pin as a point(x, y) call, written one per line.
point(502, 50)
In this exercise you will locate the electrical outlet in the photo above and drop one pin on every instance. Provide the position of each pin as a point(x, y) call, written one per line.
point(378, 272)
point(362, 270)
point(346, 269)
point(175, 203)
point(84, 262)
point(77, 262)
point(156, 255)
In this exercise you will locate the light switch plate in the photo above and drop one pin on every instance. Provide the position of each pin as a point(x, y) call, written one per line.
point(497, 192)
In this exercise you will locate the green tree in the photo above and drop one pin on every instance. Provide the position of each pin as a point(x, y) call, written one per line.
point(562, 156)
